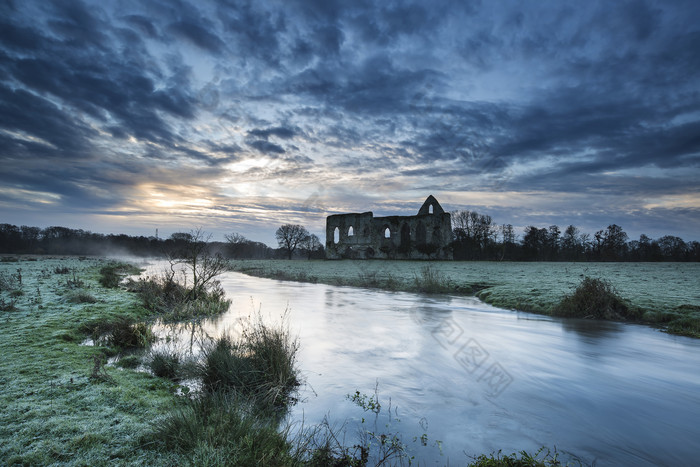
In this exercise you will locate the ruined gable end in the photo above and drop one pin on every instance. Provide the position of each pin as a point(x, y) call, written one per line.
point(431, 206)
point(427, 235)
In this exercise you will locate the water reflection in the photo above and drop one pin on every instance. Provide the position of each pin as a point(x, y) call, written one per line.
point(592, 329)
point(613, 394)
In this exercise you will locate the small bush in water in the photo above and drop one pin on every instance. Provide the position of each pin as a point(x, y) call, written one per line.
point(165, 364)
point(259, 365)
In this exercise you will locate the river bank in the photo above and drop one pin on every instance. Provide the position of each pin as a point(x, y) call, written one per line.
point(666, 294)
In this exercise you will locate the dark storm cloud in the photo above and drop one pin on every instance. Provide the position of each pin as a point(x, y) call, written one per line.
point(254, 26)
point(266, 147)
point(57, 133)
point(557, 96)
point(142, 25)
point(103, 86)
point(280, 132)
point(198, 35)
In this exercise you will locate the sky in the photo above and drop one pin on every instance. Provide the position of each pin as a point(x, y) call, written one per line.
point(235, 116)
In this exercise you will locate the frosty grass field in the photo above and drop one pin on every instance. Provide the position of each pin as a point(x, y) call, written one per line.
point(663, 291)
point(62, 406)
point(53, 412)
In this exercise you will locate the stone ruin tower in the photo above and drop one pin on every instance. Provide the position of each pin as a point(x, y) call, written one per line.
point(426, 235)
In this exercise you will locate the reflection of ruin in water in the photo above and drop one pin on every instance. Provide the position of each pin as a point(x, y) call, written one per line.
point(426, 235)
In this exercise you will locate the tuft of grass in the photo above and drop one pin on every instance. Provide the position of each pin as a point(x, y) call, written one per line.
point(172, 301)
point(126, 334)
point(81, 296)
point(165, 364)
point(524, 459)
point(208, 303)
point(431, 280)
point(222, 428)
point(8, 305)
point(99, 374)
point(9, 281)
point(685, 326)
point(121, 332)
point(129, 361)
point(260, 364)
point(159, 295)
point(111, 274)
point(597, 299)
point(75, 282)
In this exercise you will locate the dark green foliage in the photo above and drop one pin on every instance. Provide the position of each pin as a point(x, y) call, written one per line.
point(259, 365)
point(173, 302)
point(160, 295)
point(129, 361)
point(165, 364)
point(428, 249)
point(597, 299)
point(221, 428)
point(126, 334)
point(513, 460)
point(112, 273)
point(685, 326)
point(121, 332)
point(81, 296)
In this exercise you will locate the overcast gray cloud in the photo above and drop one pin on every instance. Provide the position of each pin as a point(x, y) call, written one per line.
point(240, 116)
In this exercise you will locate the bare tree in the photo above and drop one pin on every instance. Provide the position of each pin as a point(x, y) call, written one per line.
point(290, 236)
point(200, 265)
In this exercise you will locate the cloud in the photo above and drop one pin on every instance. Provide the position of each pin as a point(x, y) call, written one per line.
point(280, 132)
point(266, 147)
point(198, 35)
point(251, 99)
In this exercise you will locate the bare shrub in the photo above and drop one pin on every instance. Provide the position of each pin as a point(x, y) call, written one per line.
point(597, 299)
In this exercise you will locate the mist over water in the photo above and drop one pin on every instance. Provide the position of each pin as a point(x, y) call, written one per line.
point(479, 379)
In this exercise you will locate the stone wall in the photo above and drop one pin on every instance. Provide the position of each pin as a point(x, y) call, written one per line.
point(426, 235)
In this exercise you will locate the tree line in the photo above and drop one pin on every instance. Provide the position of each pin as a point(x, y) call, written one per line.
point(477, 237)
point(66, 241)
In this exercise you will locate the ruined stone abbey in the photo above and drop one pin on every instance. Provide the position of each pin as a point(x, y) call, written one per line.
point(426, 235)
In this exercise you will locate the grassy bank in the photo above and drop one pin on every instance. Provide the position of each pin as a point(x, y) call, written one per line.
point(61, 405)
point(664, 294)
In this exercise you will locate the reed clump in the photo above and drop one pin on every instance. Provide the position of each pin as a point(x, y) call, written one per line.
point(430, 280)
point(223, 428)
point(259, 364)
point(247, 382)
point(112, 273)
point(595, 299)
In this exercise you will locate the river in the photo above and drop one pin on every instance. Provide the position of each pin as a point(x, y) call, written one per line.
point(473, 379)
